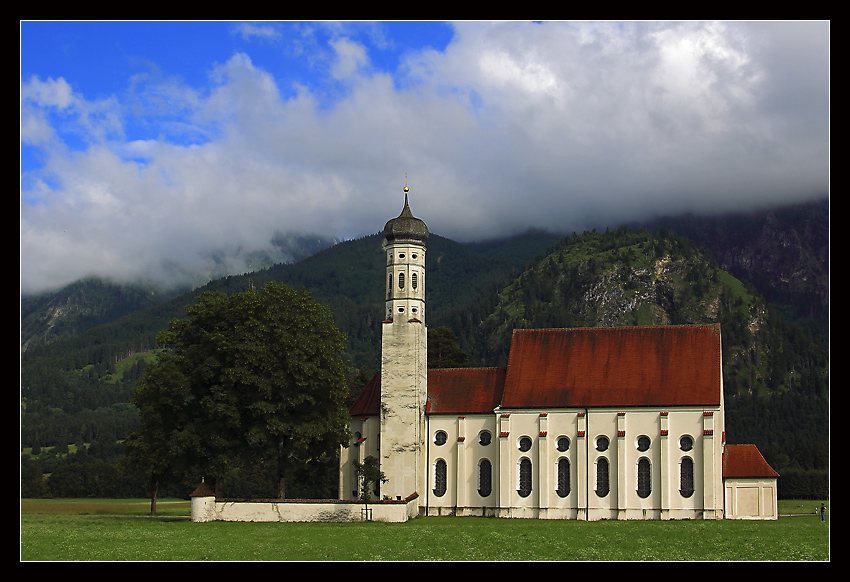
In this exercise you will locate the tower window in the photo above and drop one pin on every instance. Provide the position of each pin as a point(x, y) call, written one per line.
point(413, 280)
point(401, 280)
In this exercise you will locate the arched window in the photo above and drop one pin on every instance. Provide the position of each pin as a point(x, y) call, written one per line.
point(686, 477)
point(401, 280)
point(440, 478)
point(563, 478)
point(485, 478)
point(524, 478)
point(602, 487)
point(644, 478)
point(413, 280)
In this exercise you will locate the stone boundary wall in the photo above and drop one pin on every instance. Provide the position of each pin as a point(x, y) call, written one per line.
point(208, 508)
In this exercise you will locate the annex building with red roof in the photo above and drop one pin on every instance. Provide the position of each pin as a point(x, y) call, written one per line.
point(582, 423)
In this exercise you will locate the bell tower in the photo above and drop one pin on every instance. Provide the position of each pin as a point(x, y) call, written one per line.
point(404, 353)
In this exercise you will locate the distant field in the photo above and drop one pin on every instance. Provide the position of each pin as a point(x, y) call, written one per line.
point(123, 530)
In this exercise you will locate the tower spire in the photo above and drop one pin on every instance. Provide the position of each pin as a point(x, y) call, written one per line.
point(406, 189)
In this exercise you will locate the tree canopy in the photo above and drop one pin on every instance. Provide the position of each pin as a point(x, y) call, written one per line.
point(247, 380)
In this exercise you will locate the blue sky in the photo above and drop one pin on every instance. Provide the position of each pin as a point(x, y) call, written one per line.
point(162, 150)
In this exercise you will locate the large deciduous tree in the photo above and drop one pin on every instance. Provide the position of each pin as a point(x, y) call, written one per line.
point(254, 377)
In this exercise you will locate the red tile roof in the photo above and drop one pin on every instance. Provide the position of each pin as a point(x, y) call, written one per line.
point(464, 390)
point(602, 367)
point(369, 401)
point(450, 391)
point(745, 461)
point(581, 367)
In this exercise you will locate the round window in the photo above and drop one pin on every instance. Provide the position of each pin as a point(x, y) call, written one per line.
point(484, 438)
point(643, 443)
point(563, 444)
point(525, 444)
point(686, 443)
point(440, 438)
point(602, 443)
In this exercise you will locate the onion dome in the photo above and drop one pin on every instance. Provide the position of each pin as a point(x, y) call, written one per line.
point(406, 226)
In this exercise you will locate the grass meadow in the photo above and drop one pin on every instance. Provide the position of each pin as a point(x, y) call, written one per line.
point(123, 530)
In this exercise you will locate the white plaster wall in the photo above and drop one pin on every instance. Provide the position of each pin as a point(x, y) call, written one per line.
point(751, 498)
point(367, 428)
point(622, 502)
point(209, 509)
point(462, 453)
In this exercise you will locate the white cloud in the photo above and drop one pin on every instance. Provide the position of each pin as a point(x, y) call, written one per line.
point(250, 30)
point(515, 125)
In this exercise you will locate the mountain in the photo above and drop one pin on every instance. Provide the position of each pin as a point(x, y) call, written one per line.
point(92, 301)
point(782, 251)
point(775, 371)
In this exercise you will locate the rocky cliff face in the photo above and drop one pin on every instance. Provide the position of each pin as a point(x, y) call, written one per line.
point(650, 295)
point(783, 252)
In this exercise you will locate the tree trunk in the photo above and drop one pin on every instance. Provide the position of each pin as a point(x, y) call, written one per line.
point(154, 490)
point(281, 487)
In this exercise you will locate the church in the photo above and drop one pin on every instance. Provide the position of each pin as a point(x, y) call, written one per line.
point(584, 423)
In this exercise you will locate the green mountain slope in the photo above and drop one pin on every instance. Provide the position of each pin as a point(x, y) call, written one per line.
point(775, 373)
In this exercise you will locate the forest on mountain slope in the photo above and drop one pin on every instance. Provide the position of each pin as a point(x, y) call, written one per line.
point(76, 392)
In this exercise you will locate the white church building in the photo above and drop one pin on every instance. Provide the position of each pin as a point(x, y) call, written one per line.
point(585, 423)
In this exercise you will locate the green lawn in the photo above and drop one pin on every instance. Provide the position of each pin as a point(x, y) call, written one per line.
point(110, 530)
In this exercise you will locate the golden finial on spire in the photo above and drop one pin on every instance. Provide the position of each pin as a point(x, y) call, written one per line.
point(406, 189)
